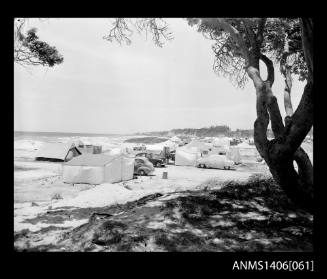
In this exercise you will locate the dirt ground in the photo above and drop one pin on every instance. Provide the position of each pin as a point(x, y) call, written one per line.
point(237, 216)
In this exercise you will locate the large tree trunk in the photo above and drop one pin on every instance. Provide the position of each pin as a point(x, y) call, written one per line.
point(281, 152)
point(298, 185)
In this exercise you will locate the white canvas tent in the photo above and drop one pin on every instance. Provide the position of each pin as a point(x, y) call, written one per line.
point(176, 140)
point(198, 144)
point(248, 152)
point(187, 156)
point(98, 168)
point(221, 142)
point(57, 151)
point(155, 148)
point(234, 154)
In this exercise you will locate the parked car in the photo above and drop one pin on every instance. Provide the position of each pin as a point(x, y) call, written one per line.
point(143, 166)
point(215, 161)
point(155, 160)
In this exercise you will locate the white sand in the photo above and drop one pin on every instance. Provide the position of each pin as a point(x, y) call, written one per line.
point(180, 178)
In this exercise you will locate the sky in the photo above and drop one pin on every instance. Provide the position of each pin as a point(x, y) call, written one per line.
point(104, 87)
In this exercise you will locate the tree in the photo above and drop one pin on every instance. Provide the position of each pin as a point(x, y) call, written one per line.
point(29, 50)
point(240, 44)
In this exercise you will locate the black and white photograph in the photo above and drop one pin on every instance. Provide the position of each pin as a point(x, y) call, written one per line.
point(163, 134)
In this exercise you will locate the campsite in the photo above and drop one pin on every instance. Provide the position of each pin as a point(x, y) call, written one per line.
point(53, 198)
point(163, 135)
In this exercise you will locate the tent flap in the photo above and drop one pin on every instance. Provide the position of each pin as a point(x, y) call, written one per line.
point(56, 151)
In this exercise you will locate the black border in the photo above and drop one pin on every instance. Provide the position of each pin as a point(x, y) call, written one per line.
point(141, 263)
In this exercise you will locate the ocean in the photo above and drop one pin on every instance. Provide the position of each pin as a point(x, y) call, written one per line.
point(35, 135)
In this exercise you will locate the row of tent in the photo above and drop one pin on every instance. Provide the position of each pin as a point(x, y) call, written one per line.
point(185, 155)
point(118, 165)
point(190, 153)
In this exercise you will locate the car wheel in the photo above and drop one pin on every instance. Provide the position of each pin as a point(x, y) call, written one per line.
point(142, 172)
point(204, 166)
point(158, 164)
point(226, 168)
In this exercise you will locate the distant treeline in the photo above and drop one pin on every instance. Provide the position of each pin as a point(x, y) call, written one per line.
point(146, 140)
point(204, 132)
point(213, 131)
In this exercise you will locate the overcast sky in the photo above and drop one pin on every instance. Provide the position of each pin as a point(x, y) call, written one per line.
point(103, 87)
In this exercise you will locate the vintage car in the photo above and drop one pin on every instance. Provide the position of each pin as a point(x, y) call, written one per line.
point(156, 160)
point(143, 166)
point(215, 161)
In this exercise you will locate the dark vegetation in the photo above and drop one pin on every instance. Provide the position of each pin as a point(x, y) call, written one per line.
point(211, 131)
point(146, 140)
point(253, 216)
point(29, 50)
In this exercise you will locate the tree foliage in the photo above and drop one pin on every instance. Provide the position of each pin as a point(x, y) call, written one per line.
point(29, 50)
point(279, 39)
point(284, 43)
point(122, 30)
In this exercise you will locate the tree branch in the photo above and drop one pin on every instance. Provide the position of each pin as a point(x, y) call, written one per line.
point(305, 168)
point(270, 69)
point(285, 69)
point(249, 31)
point(261, 27)
point(234, 33)
point(301, 121)
point(307, 42)
point(277, 125)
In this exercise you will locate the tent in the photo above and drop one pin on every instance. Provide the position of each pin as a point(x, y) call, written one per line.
point(221, 142)
point(155, 148)
point(248, 152)
point(176, 140)
point(234, 154)
point(187, 156)
point(98, 168)
point(57, 152)
point(198, 144)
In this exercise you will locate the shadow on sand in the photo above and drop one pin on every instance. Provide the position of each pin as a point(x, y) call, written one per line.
point(251, 216)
